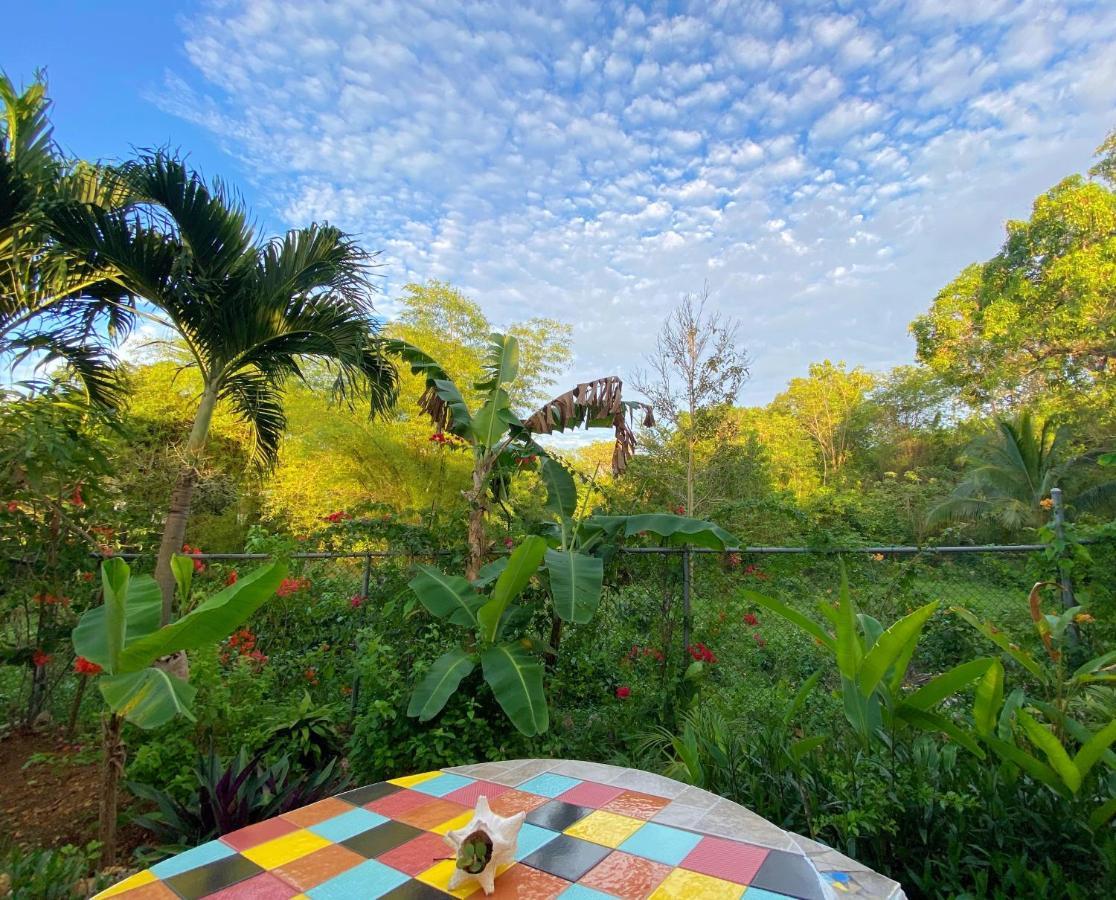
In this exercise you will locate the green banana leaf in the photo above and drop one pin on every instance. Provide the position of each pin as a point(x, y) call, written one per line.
point(516, 679)
point(502, 363)
point(676, 530)
point(935, 723)
point(490, 423)
point(863, 713)
point(1052, 749)
point(115, 576)
point(576, 582)
point(522, 564)
point(800, 748)
point(988, 699)
point(182, 567)
point(142, 613)
point(445, 596)
point(895, 644)
point(210, 622)
point(848, 648)
point(148, 698)
point(430, 694)
point(561, 491)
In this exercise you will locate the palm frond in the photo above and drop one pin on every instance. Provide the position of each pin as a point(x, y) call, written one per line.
point(258, 401)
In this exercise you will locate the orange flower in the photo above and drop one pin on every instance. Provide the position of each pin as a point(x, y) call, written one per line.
point(1083, 618)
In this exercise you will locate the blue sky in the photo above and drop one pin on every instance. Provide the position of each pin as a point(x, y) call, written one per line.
point(826, 167)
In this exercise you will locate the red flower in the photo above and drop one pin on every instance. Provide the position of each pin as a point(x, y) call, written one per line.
point(258, 658)
point(84, 666)
point(336, 517)
point(509, 543)
point(750, 619)
point(760, 642)
point(13, 506)
point(86, 576)
point(231, 578)
point(702, 653)
point(39, 658)
point(45, 599)
point(290, 586)
point(438, 437)
point(76, 498)
point(356, 601)
point(680, 510)
point(733, 560)
point(623, 692)
point(311, 675)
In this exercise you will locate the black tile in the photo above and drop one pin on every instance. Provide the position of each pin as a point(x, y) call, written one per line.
point(212, 877)
point(788, 873)
point(361, 795)
point(414, 890)
point(567, 857)
point(374, 841)
point(557, 815)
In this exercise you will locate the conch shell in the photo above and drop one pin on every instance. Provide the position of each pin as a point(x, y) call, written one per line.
point(485, 845)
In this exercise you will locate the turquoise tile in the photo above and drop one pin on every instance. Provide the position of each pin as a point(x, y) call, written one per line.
point(548, 785)
point(369, 879)
point(661, 843)
point(347, 825)
point(191, 859)
point(581, 892)
point(755, 893)
point(531, 837)
point(443, 784)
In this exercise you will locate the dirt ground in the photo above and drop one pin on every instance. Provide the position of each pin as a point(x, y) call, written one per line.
point(54, 802)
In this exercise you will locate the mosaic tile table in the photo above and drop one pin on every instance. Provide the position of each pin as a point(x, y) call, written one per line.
point(592, 831)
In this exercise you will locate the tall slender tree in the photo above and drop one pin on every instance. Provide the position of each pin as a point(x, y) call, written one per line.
point(248, 311)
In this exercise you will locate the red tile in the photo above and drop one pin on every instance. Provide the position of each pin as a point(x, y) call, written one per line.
point(399, 802)
point(729, 860)
point(524, 883)
point(417, 855)
point(471, 793)
point(263, 887)
point(321, 865)
point(626, 876)
point(590, 794)
point(254, 835)
point(636, 805)
point(511, 802)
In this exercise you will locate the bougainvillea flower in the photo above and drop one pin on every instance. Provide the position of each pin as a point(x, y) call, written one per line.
point(84, 666)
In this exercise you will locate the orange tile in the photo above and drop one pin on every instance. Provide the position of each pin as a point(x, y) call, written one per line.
point(317, 812)
point(524, 883)
point(321, 865)
point(431, 814)
point(156, 890)
point(626, 876)
point(511, 802)
point(636, 805)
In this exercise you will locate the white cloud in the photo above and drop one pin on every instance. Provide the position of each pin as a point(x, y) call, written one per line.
point(826, 172)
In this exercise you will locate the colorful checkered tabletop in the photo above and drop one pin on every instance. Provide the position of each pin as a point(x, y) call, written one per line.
point(592, 831)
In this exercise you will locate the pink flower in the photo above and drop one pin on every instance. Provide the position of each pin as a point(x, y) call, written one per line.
point(356, 601)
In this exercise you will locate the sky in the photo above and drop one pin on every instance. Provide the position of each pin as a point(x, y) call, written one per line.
point(825, 167)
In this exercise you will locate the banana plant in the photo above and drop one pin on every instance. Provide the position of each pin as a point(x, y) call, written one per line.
point(873, 664)
point(144, 676)
point(485, 607)
point(497, 436)
point(1038, 735)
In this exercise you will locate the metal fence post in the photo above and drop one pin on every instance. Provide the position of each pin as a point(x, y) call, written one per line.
point(687, 589)
point(366, 582)
point(1060, 534)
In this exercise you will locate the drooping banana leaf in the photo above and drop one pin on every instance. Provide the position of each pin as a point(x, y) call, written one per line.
point(522, 565)
point(141, 617)
point(576, 582)
point(431, 694)
point(446, 596)
point(516, 678)
point(148, 698)
point(676, 530)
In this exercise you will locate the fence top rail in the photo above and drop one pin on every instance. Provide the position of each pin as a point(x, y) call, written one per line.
point(896, 550)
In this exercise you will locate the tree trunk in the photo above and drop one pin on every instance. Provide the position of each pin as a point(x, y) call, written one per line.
point(478, 512)
point(174, 529)
point(112, 767)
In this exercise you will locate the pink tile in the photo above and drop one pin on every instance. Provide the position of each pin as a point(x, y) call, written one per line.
point(590, 794)
point(263, 887)
point(256, 834)
point(722, 858)
point(473, 792)
point(400, 802)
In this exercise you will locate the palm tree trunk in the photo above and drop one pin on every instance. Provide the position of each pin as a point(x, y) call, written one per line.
point(174, 530)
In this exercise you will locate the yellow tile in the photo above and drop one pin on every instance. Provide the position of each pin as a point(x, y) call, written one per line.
point(610, 829)
point(681, 884)
point(133, 881)
point(285, 849)
point(412, 780)
point(456, 822)
point(438, 875)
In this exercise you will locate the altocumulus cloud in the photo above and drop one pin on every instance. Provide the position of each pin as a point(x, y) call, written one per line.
point(825, 170)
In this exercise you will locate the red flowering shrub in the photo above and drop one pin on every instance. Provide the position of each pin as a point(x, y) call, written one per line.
point(290, 586)
point(84, 666)
point(509, 543)
point(231, 578)
point(356, 601)
point(760, 642)
point(86, 576)
point(623, 692)
point(199, 566)
point(702, 653)
point(75, 498)
point(750, 619)
point(40, 659)
point(45, 599)
point(438, 437)
point(311, 675)
point(680, 510)
point(335, 517)
point(733, 560)
point(755, 571)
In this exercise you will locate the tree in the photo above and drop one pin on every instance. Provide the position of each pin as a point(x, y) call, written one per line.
point(1036, 323)
point(248, 312)
point(54, 303)
point(1010, 474)
point(696, 369)
point(830, 404)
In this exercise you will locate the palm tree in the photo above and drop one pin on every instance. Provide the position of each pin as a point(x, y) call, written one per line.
point(1011, 472)
point(249, 312)
point(55, 305)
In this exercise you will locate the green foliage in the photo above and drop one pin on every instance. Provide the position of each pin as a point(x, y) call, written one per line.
point(54, 874)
